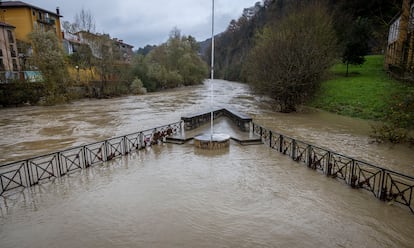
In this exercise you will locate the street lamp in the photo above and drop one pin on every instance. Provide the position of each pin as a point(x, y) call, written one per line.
point(77, 76)
point(212, 73)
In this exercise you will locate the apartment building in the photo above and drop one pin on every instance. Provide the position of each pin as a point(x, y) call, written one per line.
point(9, 61)
point(26, 18)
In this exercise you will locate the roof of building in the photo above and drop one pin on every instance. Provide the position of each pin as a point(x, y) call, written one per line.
point(3, 24)
point(121, 42)
point(20, 4)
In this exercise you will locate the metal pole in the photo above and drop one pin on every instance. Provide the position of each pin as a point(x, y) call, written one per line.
point(212, 72)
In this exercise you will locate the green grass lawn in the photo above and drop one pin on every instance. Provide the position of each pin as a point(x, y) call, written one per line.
point(365, 93)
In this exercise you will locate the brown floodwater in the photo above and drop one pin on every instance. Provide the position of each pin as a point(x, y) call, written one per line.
point(179, 196)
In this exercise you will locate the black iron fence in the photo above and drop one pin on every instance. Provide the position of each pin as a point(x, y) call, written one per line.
point(384, 184)
point(29, 172)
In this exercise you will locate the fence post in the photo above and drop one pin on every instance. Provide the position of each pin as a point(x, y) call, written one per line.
point(383, 187)
point(141, 140)
point(309, 162)
point(293, 155)
point(85, 157)
point(26, 168)
point(59, 164)
point(281, 143)
point(1, 186)
point(125, 146)
point(270, 138)
point(329, 165)
point(353, 178)
point(32, 179)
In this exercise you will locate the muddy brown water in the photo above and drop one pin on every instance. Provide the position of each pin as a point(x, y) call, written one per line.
point(179, 196)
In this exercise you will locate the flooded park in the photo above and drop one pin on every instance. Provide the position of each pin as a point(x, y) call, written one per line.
point(171, 195)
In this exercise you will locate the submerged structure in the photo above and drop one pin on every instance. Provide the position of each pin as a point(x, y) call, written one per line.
point(212, 142)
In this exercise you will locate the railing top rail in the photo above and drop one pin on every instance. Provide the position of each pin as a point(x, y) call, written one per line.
point(85, 145)
point(342, 155)
point(218, 110)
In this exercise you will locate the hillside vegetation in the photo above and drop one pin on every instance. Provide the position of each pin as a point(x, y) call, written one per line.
point(370, 93)
point(366, 93)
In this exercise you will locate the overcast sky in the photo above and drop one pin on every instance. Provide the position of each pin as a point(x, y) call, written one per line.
point(142, 22)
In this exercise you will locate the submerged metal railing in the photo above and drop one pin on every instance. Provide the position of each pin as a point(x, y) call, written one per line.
point(384, 184)
point(29, 172)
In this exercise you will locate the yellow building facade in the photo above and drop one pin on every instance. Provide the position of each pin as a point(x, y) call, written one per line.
point(9, 61)
point(26, 18)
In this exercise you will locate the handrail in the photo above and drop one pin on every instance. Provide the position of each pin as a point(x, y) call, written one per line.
point(384, 184)
point(31, 171)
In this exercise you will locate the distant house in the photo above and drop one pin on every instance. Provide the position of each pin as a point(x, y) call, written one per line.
point(399, 57)
point(71, 43)
point(26, 18)
point(125, 50)
point(249, 13)
point(9, 62)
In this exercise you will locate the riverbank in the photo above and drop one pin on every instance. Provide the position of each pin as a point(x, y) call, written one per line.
point(366, 93)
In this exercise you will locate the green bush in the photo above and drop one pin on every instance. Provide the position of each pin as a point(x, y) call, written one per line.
point(15, 94)
point(137, 87)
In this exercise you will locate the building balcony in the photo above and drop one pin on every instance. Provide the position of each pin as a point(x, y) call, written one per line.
point(47, 21)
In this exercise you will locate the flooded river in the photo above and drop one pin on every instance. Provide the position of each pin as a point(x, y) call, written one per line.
point(178, 196)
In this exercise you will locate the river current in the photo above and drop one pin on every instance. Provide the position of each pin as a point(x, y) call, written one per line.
point(178, 196)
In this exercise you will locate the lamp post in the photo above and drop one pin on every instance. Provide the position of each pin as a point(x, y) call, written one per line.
point(77, 75)
point(212, 72)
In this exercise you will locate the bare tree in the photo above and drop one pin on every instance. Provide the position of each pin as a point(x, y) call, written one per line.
point(84, 21)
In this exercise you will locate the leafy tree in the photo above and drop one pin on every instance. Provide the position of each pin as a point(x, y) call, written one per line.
point(171, 64)
point(139, 69)
point(137, 87)
point(291, 56)
point(147, 49)
point(356, 43)
point(48, 56)
point(234, 44)
point(83, 57)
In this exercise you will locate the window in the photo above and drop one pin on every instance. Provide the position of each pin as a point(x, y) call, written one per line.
point(12, 51)
point(40, 16)
point(10, 36)
point(1, 52)
point(15, 67)
point(1, 65)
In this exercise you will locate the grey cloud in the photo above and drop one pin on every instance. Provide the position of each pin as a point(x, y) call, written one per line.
point(140, 22)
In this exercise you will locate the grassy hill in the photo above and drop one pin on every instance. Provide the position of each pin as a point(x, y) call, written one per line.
point(366, 93)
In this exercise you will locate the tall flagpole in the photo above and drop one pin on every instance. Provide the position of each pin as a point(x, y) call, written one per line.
point(212, 72)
